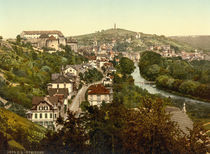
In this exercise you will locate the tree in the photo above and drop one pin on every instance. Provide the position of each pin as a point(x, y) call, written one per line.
point(18, 38)
point(72, 138)
point(126, 66)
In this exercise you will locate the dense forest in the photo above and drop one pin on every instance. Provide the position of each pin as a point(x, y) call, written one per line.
point(188, 78)
point(25, 72)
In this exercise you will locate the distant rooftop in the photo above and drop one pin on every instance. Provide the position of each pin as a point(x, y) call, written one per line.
point(43, 32)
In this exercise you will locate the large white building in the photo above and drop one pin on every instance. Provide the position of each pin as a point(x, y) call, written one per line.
point(37, 34)
point(50, 39)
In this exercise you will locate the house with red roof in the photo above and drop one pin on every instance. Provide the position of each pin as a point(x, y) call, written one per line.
point(98, 94)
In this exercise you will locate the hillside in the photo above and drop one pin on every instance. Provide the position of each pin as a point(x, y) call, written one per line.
point(128, 41)
point(200, 41)
point(25, 72)
point(19, 131)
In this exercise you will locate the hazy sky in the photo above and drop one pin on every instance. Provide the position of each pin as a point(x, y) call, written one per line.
point(74, 17)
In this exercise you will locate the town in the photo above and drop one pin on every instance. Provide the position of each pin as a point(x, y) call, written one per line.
point(63, 84)
point(68, 89)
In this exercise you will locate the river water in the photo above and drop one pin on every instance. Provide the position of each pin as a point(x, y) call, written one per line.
point(139, 81)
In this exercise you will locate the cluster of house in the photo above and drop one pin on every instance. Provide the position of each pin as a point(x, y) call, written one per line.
point(46, 110)
point(64, 85)
point(166, 51)
point(48, 39)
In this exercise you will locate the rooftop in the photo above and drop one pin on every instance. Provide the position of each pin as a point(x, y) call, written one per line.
point(43, 32)
point(61, 79)
point(98, 89)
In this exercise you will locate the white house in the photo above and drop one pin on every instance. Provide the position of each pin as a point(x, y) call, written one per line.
point(98, 93)
point(71, 69)
point(107, 81)
point(46, 110)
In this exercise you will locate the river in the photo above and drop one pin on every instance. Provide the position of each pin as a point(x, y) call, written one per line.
point(138, 79)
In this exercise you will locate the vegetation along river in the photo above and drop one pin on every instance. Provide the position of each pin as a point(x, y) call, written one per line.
point(140, 81)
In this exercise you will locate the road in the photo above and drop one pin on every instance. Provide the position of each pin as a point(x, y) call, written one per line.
point(74, 106)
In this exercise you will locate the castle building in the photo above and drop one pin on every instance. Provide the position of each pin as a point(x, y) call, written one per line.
point(40, 39)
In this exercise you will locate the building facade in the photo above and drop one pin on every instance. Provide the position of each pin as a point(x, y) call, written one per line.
point(97, 94)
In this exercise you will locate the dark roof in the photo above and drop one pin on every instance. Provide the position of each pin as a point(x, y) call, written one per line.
point(98, 89)
point(44, 36)
point(37, 100)
point(57, 92)
point(61, 79)
point(53, 99)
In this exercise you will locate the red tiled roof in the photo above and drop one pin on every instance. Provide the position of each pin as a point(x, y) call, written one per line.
point(98, 89)
point(51, 38)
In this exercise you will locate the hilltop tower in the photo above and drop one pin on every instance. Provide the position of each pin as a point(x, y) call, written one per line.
point(115, 27)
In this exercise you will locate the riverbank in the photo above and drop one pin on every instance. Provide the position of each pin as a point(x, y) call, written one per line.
point(154, 90)
point(182, 95)
point(197, 110)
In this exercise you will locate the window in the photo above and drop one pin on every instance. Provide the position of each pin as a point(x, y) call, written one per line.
point(35, 115)
point(45, 115)
point(55, 115)
point(40, 116)
point(51, 115)
point(40, 108)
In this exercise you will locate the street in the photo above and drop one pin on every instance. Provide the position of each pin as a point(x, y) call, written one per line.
point(74, 106)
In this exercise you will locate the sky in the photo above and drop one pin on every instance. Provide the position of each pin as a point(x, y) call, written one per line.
point(76, 17)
